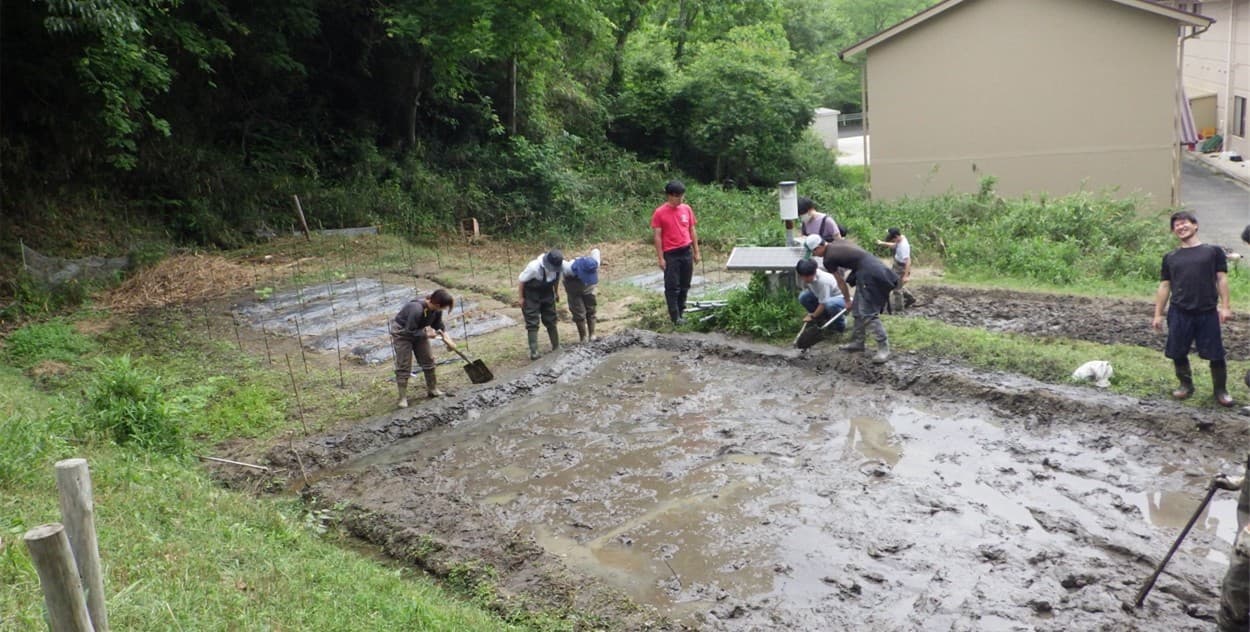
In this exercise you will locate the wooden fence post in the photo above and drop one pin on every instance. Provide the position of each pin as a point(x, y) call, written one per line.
point(73, 481)
point(62, 592)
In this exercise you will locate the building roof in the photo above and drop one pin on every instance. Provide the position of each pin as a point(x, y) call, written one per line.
point(1186, 17)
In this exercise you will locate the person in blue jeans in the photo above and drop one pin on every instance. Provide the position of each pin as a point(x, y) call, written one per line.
point(821, 298)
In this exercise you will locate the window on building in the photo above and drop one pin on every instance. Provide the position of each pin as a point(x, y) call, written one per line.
point(1239, 116)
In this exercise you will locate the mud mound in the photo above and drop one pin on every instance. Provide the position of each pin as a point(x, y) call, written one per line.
point(1105, 321)
point(178, 280)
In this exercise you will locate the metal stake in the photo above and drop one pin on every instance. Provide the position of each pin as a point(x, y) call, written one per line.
point(338, 350)
point(237, 338)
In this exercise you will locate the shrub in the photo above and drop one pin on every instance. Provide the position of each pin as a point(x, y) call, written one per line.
point(30, 438)
point(51, 340)
point(760, 311)
point(128, 404)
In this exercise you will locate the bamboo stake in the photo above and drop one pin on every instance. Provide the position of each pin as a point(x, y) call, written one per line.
point(62, 591)
point(73, 484)
point(229, 462)
point(264, 334)
point(299, 338)
point(303, 223)
point(295, 390)
point(338, 349)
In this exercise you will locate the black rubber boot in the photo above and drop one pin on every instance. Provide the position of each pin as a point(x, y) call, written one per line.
point(581, 331)
point(553, 334)
point(1186, 377)
point(1219, 380)
point(533, 340)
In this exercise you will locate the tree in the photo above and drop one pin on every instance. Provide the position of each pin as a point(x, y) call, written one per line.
point(744, 106)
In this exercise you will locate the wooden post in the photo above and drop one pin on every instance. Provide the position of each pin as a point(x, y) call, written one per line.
point(302, 222)
point(73, 482)
point(62, 592)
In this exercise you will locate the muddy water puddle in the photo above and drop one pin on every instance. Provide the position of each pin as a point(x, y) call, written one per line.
point(736, 495)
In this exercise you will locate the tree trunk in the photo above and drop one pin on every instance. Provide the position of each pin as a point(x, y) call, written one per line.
point(617, 78)
point(415, 108)
point(512, 87)
point(685, 18)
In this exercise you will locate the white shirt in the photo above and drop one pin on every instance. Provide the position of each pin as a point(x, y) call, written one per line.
point(902, 250)
point(824, 286)
point(536, 269)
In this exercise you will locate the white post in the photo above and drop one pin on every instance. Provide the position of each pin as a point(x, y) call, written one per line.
point(62, 592)
point(73, 482)
point(787, 194)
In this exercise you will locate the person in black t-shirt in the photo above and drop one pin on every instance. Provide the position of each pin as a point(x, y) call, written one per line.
point(1193, 287)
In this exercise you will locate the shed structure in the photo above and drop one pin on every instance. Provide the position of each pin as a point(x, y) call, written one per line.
point(1045, 96)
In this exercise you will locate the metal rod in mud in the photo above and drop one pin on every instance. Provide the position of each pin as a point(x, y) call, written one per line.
point(1150, 583)
point(299, 339)
point(295, 390)
point(237, 339)
point(338, 348)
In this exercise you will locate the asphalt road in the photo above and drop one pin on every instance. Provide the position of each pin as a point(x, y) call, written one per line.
point(1221, 204)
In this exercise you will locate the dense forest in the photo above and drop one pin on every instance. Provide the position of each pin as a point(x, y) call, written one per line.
point(195, 121)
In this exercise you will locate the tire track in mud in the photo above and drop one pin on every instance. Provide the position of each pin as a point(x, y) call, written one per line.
point(431, 521)
point(1105, 321)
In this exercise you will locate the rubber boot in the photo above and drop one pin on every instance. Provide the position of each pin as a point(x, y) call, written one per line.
point(590, 329)
point(431, 384)
point(402, 387)
point(553, 334)
point(1186, 377)
point(533, 340)
point(883, 352)
point(857, 337)
point(581, 331)
point(1219, 380)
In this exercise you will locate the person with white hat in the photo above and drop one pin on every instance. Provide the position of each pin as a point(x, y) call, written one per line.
point(539, 290)
point(581, 279)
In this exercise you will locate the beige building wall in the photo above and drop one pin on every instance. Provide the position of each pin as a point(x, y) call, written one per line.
point(1048, 96)
point(1208, 67)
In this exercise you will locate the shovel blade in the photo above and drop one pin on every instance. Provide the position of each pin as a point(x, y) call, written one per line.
point(478, 372)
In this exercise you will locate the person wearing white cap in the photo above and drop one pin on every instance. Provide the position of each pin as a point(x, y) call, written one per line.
point(581, 279)
point(539, 289)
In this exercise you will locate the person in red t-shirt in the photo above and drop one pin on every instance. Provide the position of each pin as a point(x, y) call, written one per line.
point(676, 247)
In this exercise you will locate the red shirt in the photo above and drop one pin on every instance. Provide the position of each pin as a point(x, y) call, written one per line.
point(674, 223)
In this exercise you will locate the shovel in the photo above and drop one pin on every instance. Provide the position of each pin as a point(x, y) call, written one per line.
point(812, 337)
point(477, 370)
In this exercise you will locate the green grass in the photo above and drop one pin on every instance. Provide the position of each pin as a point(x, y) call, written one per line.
point(182, 553)
point(1139, 372)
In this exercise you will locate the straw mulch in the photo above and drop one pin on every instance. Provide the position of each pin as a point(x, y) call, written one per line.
point(179, 280)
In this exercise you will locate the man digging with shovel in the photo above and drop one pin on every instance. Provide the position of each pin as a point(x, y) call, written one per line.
point(417, 322)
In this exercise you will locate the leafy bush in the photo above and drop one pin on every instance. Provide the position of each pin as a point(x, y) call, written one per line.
point(128, 404)
point(51, 340)
point(760, 311)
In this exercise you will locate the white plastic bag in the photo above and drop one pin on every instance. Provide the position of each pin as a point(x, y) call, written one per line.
point(1097, 371)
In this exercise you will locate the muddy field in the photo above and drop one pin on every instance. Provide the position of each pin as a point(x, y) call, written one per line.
point(691, 482)
point(1079, 318)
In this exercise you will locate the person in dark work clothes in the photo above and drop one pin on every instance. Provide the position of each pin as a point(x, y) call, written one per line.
point(1193, 287)
point(873, 283)
point(581, 280)
point(417, 322)
point(676, 247)
point(539, 287)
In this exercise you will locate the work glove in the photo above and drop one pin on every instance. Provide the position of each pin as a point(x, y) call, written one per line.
point(1231, 483)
